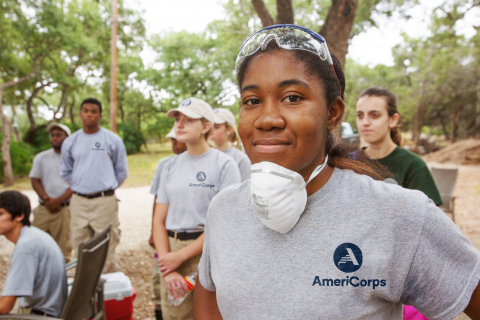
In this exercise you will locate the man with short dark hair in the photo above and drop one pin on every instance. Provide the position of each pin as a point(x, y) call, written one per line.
point(53, 213)
point(94, 162)
point(37, 271)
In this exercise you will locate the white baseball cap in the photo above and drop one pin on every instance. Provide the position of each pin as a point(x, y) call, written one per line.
point(193, 108)
point(54, 125)
point(171, 134)
point(222, 115)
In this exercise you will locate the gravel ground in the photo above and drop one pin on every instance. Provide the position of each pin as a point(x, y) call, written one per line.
point(135, 222)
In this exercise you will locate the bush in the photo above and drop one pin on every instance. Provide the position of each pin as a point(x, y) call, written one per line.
point(132, 137)
point(22, 155)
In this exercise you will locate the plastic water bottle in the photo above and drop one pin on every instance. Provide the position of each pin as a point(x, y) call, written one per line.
point(190, 282)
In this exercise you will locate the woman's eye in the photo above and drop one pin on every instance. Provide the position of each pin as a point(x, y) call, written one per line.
point(359, 116)
point(293, 99)
point(252, 102)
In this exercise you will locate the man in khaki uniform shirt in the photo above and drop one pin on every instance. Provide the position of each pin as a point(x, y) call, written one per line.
point(53, 214)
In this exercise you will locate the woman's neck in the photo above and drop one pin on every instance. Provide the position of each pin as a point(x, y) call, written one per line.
point(198, 147)
point(225, 146)
point(382, 149)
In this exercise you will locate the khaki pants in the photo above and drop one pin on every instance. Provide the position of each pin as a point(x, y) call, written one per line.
point(185, 310)
point(156, 284)
point(57, 225)
point(92, 216)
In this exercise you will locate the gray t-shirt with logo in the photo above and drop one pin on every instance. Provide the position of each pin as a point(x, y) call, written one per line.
point(94, 162)
point(189, 183)
point(158, 174)
point(46, 167)
point(360, 250)
point(37, 273)
point(243, 162)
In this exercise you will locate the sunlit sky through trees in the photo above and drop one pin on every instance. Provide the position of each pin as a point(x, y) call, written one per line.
point(371, 47)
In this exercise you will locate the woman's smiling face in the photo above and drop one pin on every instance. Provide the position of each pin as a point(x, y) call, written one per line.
point(284, 117)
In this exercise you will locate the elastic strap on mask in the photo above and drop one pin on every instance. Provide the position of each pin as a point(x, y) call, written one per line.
point(315, 172)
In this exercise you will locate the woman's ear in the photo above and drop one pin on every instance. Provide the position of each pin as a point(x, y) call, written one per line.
point(335, 113)
point(394, 120)
point(207, 126)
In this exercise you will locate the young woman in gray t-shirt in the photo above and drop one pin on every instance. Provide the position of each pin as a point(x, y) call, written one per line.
point(312, 235)
point(189, 182)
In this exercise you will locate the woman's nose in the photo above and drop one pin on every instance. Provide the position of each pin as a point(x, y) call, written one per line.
point(270, 117)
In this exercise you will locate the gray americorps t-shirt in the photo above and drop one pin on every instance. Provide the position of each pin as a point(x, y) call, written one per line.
point(360, 250)
point(189, 183)
point(46, 167)
point(37, 272)
point(158, 174)
point(94, 162)
point(243, 162)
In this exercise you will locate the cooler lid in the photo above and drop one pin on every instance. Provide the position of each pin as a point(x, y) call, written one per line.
point(117, 286)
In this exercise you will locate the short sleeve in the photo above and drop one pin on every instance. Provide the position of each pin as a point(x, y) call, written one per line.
point(445, 269)
point(21, 276)
point(420, 178)
point(162, 196)
point(36, 171)
point(204, 270)
point(156, 178)
point(230, 174)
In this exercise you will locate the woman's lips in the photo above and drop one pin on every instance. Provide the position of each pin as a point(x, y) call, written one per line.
point(270, 145)
point(180, 132)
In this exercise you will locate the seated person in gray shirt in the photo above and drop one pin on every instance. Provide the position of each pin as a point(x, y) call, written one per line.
point(37, 271)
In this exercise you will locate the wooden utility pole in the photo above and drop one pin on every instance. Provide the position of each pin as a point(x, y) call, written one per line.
point(113, 69)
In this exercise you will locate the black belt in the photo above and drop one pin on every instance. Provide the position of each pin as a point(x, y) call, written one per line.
point(41, 313)
point(64, 204)
point(185, 235)
point(96, 195)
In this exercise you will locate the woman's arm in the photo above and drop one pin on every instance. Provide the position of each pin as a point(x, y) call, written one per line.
point(473, 308)
point(171, 261)
point(205, 305)
point(160, 236)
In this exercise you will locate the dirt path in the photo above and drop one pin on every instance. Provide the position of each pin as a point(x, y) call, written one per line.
point(135, 222)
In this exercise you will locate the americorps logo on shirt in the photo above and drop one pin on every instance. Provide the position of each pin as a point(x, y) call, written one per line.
point(201, 177)
point(348, 258)
point(97, 147)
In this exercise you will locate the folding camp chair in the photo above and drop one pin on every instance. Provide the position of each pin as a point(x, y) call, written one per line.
point(445, 179)
point(86, 297)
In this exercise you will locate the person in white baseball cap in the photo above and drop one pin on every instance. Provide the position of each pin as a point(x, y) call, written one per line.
point(226, 139)
point(53, 213)
point(189, 182)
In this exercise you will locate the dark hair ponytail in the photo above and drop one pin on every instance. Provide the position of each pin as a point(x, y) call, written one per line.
point(391, 102)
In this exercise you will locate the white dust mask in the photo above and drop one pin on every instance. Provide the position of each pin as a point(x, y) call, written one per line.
point(278, 195)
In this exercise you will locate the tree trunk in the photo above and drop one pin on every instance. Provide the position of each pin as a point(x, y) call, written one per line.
point(263, 13)
point(7, 162)
point(338, 26)
point(72, 116)
point(6, 159)
point(419, 114)
point(284, 12)
point(477, 111)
